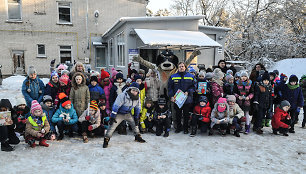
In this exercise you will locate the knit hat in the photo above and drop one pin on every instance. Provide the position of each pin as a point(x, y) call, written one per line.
point(93, 105)
point(161, 101)
point(137, 76)
point(209, 75)
point(64, 100)
point(221, 100)
point(228, 77)
point(66, 72)
point(114, 72)
point(284, 103)
point(276, 72)
point(64, 79)
point(203, 99)
point(102, 103)
point(94, 78)
point(134, 84)
point(237, 75)
point(119, 76)
point(47, 98)
point(62, 67)
point(265, 76)
point(201, 73)
point(218, 74)
point(141, 71)
point(54, 73)
point(303, 77)
point(229, 72)
point(191, 69)
point(272, 74)
point(282, 76)
point(293, 78)
point(31, 70)
point(95, 73)
point(35, 106)
point(20, 101)
point(231, 98)
point(133, 71)
point(149, 100)
point(104, 74)
point(244, 74)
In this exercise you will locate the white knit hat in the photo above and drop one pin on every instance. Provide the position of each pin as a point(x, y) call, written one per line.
point(20, 101)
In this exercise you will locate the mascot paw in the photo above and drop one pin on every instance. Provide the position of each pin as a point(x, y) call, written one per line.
point(136, 58)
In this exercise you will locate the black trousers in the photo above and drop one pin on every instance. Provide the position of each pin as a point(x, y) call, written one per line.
point(259, 116)
point(184, 111)
point(162, 125)
point(71, 128)
point(98, 131)
point(8, 133)
point(221, 126)
point(294, 115)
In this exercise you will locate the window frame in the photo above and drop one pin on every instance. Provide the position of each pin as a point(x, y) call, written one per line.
point(71, 50)
point(111, 51)
point(41, 55)
point(120, 48)
point(7, 12)
point(58, 16)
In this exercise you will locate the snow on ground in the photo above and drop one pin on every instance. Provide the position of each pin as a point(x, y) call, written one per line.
point(291, 66)
point(178, 153)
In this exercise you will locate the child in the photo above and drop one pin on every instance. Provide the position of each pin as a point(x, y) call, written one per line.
point(65, 117)
point(104, 116)
point(142, 89)
point(244, 92)
point(217, 85)
point(64, 86)
point(90, 121)
point(22, 113)
point(52, 86)
point(153, 85)
point(201, 92)
point(146, 118)
point(229, 86)
point(106, 85)
point(7, 133)
point(162, 118)
point(219, 117)
point(118, 87)
point(236, 115)
point(281, 119)
point(202, 113)
point(37, 126)
point(303, 85)
point(79, 94)
point(48, 109)
point(262, 101)
point(96, 92)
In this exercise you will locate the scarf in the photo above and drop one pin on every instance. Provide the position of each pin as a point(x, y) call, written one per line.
point(133, 97)
point(221, 109)
point(292, 87)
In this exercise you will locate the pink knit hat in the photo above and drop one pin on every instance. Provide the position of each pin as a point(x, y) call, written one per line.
point(35, 106)
point(114, 72)
point(62, 67)
point(221, 100)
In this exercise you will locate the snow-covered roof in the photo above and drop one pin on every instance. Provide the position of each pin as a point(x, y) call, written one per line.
point(176, 38)
point(214, 28)
point(123, 20)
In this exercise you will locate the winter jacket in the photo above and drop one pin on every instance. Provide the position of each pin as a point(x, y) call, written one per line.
point(146, 113)
point(158, 112)
point(51, 89)
point(203, 111)
point(49, 113)
point(294, 96)
point(263, 95)
point(183, 81)
point(116, 89)
point(107, 89)
point(219, 116)
point(228, 89)
point(217, 91)
point(32, 128)
point(79, 95)
point(303, 86)
point(244, 89)
point(65, 89)
point(235, 111)
point(96, 92)
point(153, 87)
point(124, 104)
point(22, 113)
point(95, 120)
point(33, 90)
point(62, 112)
point(278, 117)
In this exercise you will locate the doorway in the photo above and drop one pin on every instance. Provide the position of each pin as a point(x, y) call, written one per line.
point(18, 59)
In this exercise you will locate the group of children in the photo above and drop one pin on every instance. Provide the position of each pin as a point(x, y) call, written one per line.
point(81, 102)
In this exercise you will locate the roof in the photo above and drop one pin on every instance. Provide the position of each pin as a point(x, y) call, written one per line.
point(187, 39)
point(123, 20)
point(214, 28)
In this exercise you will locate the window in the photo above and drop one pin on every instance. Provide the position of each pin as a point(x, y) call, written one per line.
point(14, 10)
point(66, 54)
point(41, 51)
point(120, 49)
point(100, 57)
point(110, 50)
point(40, 7)
point(64, 13)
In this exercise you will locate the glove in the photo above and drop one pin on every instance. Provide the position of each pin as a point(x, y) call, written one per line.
point(112, 120)
point(43, 131)
point(52, 62)
point(87, 118)
point(298, 109)
point(90, 128)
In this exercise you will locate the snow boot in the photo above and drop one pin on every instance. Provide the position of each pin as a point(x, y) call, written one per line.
point(211, 132)
point(223, 132)
point(105, 143)
point(247, 129)
point(303, 124)
point(236, 133)
point(275, 132)
point(60, 137)
point(151, 131)
point(139, 139)
point(285, 134)
point(263, 122)
point(193, 131)
point(291, 131)
point(14, 140)
point(85, 139)
point(42, 142)
point(259, 131)
point(267, 123)
point(70, 134)
point(166, 134)
point(6, 147)
point(31, 142)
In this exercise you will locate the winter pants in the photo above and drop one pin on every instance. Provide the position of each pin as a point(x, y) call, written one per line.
point(259, 116)
point(119, 119)
point(304, 110)
point(149, 124)
point(186, 116)
point(162, 125)
point(98, 131)
point(294, 115)
point(236, 123)
point(247, 117)
point(32, 139)
point(221, 126)
point(8, 133)
point(204, 126)
point(61, 126)
point(173, 114)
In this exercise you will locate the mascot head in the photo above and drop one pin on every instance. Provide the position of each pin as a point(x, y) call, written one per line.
point(167, 60)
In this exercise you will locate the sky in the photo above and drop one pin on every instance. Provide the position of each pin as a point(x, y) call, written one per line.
point(155, 5)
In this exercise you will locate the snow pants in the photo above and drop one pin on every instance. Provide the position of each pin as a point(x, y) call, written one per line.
point(162, 125)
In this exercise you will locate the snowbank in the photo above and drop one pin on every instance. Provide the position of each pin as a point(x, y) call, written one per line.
point(291, 66)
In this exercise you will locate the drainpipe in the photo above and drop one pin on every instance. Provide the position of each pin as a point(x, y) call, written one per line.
point(87, 37)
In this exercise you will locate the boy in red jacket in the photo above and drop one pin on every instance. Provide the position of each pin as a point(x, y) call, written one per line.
point(201, 112)
point(281, 120)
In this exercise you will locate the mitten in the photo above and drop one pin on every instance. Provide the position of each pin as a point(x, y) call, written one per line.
point(90, 128)
point(87, 118)
point(43, 131)
point(52, 62)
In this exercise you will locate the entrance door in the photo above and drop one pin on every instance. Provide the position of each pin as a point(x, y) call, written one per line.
point(18, 59)
point(100, 57)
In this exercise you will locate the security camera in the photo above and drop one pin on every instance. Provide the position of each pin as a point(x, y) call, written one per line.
point(96, 13)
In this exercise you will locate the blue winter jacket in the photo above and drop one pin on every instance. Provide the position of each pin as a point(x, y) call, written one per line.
point(96, 92)
point(183, 81)
point(72, 114)
point(294, 96)
point(124, 104)
point(49, 113)
point(33, 90)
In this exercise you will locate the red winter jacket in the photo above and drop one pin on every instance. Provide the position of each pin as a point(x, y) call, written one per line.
point(278, 117)
point(204, 111)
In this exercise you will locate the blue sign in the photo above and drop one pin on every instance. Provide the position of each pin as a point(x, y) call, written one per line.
point(133, 51)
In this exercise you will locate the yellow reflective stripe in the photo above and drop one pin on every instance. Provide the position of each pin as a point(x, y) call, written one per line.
point(188, 78)
point(34, 124)
point(176, 78)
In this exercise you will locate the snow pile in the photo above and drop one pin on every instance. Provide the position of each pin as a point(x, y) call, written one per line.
point(291, 66)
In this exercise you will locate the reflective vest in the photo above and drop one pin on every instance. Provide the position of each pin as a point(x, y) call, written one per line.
point(34, 124)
